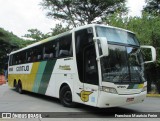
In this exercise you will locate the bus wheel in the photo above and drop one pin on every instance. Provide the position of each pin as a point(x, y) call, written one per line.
point(66, 97)
point(19, 88)
point(15, 84)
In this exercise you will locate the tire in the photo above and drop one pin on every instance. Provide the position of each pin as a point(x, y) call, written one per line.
point(19, 88)
point(66, 97)
point(15, 84)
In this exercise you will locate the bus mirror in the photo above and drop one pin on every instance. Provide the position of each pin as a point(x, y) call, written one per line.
point(149, 53)
point(102, 43)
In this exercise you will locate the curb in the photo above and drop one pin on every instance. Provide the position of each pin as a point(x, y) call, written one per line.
point(153, 95)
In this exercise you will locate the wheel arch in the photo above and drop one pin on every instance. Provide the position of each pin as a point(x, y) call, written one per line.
point(63, 85)
point(14, 83)
point(61, 92)
point(20, 83)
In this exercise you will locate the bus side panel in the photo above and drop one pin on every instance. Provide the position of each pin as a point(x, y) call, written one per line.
point(11, 78)
point(63, 72)
point(46, 76)
point(39, 76)
point(26, 78)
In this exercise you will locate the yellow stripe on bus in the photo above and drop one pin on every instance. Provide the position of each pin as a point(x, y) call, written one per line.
point(26, 79)
point(32, 76)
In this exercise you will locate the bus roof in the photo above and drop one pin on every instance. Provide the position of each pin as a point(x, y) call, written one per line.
point(66, 33)
point(102, 25)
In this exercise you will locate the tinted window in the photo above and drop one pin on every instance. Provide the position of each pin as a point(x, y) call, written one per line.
point(83, 39)
point(58, 48)
point(117, 35)
point(65, 46)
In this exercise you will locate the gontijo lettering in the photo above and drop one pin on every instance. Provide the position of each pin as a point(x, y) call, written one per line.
point(22, 68)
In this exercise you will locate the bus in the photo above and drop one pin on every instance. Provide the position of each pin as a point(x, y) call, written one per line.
point(97, 65)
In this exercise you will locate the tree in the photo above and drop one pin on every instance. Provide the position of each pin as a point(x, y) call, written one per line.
point(147, 30)
point(80, 12)
point(58, 29)
point(35, 34)
point(9, 42)
point(152, 7)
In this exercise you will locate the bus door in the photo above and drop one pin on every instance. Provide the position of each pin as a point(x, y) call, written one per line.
point(90, 76)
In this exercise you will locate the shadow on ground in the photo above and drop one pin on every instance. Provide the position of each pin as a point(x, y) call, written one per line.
point(84, 110)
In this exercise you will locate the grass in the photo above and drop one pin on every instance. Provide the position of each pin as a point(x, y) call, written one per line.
point(153, 95)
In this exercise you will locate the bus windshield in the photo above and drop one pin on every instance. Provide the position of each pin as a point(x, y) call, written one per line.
point(117, 35)
point(123, 65)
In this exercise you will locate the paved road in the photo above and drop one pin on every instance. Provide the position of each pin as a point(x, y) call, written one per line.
point(11, 101)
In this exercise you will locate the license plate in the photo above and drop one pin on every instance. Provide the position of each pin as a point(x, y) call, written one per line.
point(130, 99)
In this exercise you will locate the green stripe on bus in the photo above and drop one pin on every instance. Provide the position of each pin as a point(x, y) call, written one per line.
point(46, 76)
point(39, 75)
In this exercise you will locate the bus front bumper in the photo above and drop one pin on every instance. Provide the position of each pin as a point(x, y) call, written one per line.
point(112, 100)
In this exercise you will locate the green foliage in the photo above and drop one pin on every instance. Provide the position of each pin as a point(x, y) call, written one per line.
point(35, 34)
point(80, 12)
point(152, 7)
point(58, 29)
point(8, 43)
point(147, 29)
point(10, 38)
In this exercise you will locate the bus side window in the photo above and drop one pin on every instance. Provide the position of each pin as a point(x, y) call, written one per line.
point(14, 59)
point(22, 57)
point(29, 57)
point(38, 53)
point(65, 46)
point(57, 49)
point(10, 60)
point(50, 49)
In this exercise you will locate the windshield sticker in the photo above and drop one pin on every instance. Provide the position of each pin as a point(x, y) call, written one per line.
point(135, 86)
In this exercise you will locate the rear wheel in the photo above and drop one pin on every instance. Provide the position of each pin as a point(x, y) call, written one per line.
point(14, 84)
point(19, 88)
point(66, 97)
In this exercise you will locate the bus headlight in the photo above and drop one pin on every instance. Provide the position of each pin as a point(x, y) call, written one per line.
point(109, 89)
point(144, 88)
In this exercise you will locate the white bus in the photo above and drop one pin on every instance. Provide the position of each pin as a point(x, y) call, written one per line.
point(96, 65)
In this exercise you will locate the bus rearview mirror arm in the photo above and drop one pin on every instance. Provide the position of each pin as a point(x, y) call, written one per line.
point(103, 44)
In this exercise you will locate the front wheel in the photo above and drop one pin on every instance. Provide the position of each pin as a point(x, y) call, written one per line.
point(66, 97)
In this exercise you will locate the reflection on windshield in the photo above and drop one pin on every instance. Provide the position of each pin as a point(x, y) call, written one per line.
point(135, 63)
point(123, 65)
point(117, 35)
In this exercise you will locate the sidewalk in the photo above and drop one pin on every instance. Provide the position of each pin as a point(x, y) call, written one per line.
point(2, 80)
